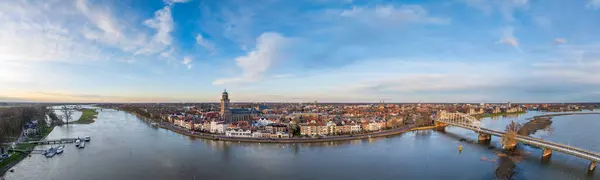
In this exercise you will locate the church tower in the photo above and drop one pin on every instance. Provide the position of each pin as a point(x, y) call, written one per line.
point(225, 110)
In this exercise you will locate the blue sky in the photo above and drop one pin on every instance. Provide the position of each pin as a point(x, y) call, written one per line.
point(280, 50)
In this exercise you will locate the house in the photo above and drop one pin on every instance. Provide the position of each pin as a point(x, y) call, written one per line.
point(238, 133)
point(206, 126)
point(218, 127)
point(355, 128)
point(198, 126)
point(30, 128)
point(258, 134)
point(330, 127)
point(313, 129)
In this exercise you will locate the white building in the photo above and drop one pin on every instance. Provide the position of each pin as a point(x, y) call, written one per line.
point(257, 134)
point(217, 127)
point(263, 122)
point(373, 126)
point(355, 128)
point(331, 127)
point(198, 126)
point(238, 133)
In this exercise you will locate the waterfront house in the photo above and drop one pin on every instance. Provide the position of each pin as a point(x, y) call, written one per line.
point(238, 133)
point(218, 127)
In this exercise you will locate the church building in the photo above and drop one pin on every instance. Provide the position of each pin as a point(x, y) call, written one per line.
point(233, 115)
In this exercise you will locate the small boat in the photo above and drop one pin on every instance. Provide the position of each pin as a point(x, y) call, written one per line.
point(154, 124)
point(87, 138)
point(77, 142)
point(82, 145)
point(59, 150)
point(50, 154)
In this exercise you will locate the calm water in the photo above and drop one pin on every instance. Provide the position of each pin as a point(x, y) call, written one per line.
point(125, 147)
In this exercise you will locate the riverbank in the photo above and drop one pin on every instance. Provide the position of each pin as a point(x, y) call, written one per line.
point(298, 140)
point(288, 140)
point(16, 157)
point(534, 125)
point(88, 116)
point(563, 114)
point(499, 114)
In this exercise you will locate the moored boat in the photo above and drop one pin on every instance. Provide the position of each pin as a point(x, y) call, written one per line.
point(82, 145)
point(59, 150)
point(87, 138)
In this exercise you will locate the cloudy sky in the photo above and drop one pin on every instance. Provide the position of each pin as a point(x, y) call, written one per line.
point(304, 50)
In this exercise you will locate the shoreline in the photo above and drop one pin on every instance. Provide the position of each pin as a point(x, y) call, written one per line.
point(561, 114)
point(299, 140)
point(499, 114)
point(22, 156)
point(219, 137)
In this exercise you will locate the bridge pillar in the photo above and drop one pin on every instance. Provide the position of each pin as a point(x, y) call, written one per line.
point(484, 137)
point(439, 126)
point(592, 166)
point(547, 153)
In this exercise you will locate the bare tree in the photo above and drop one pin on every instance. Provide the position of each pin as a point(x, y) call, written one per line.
point(67, 114)
point(509, 138)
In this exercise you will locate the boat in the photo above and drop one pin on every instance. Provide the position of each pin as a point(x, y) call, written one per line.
point(50, 154)
point(87, 138)
point(82, 145)
point(77, 142)
point(154, 124)
point(59, 150)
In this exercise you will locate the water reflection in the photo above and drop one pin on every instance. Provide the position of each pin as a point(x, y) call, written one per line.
point(125, 147)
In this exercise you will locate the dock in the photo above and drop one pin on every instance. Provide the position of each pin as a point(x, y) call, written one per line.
point(53, 141)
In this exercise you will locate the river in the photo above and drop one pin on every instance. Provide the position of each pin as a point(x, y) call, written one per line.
point(125, 147)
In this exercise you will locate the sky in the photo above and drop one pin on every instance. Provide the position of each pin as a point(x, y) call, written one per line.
point(300, 51)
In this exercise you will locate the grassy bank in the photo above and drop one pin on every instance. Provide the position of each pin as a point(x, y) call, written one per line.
point(16, 157)
point(87, 116)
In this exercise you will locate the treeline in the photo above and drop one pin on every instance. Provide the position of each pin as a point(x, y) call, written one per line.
point(13, 119)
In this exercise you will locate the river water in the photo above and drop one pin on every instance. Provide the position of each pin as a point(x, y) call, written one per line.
point(125, 147)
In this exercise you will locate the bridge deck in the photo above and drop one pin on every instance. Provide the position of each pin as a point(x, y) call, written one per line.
point(586, 154)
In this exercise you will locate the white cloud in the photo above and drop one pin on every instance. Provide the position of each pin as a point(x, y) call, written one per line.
point(560, 41)
point(170, 2)
point(206, 44)
point(593, 4)
point(269, 47)
point(508, 38)
point(40, 32)
point(392, 14)
point(106, 29)
point(283, 75)
point(163, 24)
point(187, 61)
point(168, 53)
point(506, 8)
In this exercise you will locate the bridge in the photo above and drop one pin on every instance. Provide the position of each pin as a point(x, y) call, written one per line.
point(52, 141)
point(468, 122)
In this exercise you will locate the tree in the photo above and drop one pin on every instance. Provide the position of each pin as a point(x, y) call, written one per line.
point(67, 114)
point(509, 140)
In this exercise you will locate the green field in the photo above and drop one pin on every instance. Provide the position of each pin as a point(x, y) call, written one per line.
point(87, 116)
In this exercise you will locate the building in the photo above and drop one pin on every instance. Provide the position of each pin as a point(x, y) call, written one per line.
point(230, 115)
point(238, 133)
point(217, 127)
point(313, 129)
point(225, 109)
